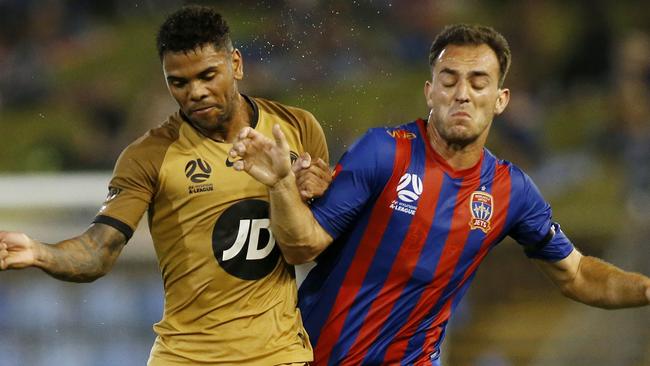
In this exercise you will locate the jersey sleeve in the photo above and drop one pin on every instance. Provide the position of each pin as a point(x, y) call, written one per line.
point(534, 230)
point(313, 139)
point(130, 191)
point(360, 175)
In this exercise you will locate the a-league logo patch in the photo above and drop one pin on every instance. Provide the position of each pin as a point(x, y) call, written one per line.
point(409, 190)
point(481, 206)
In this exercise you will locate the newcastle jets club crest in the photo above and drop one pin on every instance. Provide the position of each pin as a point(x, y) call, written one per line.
point(481, 206)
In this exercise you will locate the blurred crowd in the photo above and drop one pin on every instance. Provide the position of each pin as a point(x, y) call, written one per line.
point(79, 80)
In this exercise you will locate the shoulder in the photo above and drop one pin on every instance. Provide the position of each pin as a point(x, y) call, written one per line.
point(297, 117)
point(379, 143)
point(517, 175)
point(141, 160)
point(522, 185)
point(155, 141)
point(389, 136)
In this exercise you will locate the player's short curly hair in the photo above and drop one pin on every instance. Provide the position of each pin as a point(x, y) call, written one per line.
point(192, 26)
point(465, 34)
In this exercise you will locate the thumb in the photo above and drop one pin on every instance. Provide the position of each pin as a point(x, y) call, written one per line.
point(306, 160)
point(303, 162)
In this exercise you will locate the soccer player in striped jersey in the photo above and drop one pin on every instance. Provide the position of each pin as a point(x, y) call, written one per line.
point(411, 213)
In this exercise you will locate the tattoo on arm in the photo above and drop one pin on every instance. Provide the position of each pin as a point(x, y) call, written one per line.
point(84, 258)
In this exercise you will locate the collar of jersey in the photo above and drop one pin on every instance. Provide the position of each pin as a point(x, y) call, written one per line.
point(468, 173)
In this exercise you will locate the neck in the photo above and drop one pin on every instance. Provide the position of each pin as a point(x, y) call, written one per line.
point(241, 117)
point(459, 157)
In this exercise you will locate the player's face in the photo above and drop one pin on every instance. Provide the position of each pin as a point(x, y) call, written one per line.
point(464, 94)
point(204, 83)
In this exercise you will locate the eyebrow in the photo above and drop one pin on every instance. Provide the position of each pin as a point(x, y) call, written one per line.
point(200, 74)
point(472, 74)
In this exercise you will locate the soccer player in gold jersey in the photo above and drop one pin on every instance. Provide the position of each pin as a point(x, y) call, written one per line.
point(230, 298)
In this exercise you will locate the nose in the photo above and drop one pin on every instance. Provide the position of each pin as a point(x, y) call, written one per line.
point(462, 92)
point(198, 91)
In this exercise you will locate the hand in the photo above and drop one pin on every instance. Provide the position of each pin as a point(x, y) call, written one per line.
point(17, 250)
point(312, 178)
point(263, 159)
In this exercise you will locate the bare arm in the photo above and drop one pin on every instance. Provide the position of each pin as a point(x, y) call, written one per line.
point(298, 234)
point(84, 258)
point(597, 283)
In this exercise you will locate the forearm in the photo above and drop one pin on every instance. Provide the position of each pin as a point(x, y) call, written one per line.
point(74, 260)
point(601, 284)
point(298, 234)
point(84, 258)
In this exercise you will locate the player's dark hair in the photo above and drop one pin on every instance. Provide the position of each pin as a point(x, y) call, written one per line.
point(190, 27)
point(465, 34)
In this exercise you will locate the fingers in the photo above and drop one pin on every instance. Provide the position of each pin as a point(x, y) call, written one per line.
point(239, 149)
point(278, 134)
point(312, 182)
point(280, 139)
point(238, 165)
point(323, 165)
point(303, 162)
point(242, 134)
point(248, 141)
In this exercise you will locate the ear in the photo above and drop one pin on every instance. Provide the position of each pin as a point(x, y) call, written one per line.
point(428, 88)
point(237, 65)
point(502, 101)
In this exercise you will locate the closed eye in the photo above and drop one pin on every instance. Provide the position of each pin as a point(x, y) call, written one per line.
point(176, 82)
point(208, 74)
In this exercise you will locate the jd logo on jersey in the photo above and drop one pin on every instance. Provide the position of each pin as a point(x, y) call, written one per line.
point(242, 241)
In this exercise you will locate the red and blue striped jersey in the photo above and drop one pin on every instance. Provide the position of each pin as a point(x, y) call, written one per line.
point(409, 233)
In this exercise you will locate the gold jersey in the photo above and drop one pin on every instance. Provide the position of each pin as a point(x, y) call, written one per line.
point(229, 296)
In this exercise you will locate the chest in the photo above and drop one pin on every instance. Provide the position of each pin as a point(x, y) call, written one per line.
point(437, 224)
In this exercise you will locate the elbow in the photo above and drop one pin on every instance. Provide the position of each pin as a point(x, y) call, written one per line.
point(295, 260)
point(302, 247)
point(94, 274)
point(97, 275)
point(90, 278)
point(298, 254)
point(85, 277)
point(569, 291)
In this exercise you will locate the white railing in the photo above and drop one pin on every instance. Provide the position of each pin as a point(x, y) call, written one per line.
point(53, 207)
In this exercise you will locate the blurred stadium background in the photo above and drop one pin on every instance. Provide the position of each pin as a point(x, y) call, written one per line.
point(80, 79)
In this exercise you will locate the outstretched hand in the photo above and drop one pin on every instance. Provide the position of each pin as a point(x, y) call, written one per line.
point(265, 160)
point(17, 250)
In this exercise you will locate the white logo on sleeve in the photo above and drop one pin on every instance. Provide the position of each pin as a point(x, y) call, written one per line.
point(409, 190)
